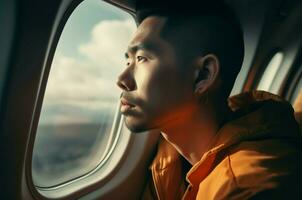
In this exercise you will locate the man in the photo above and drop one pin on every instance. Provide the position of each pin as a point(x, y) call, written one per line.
point(181, 67)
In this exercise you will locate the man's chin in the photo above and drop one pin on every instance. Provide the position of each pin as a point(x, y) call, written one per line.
point(136, 127)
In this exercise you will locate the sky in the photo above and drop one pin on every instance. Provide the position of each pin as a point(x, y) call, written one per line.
point(90, 54)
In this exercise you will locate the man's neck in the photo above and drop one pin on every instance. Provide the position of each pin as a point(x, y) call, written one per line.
point(194, 134)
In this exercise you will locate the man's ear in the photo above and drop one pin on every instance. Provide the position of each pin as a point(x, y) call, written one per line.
point(206, 72)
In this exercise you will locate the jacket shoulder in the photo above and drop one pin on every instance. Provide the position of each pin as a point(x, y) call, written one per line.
point(271, 157)
point(256, 169)
point(269, 167)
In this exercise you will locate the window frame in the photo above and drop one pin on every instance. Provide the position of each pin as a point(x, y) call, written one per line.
point(81, 185)
point(282, 75)
point(293, 79)
point(265, 66)
point(257, 69)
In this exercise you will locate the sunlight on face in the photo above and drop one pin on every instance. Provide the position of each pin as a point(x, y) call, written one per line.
point(154, 86)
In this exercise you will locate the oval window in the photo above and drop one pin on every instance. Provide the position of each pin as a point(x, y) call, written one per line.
point(75, 131)
point(270, 72)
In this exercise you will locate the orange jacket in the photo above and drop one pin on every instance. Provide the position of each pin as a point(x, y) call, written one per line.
point(256, 156)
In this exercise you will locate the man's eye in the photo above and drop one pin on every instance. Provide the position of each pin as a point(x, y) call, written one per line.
point(140, 58)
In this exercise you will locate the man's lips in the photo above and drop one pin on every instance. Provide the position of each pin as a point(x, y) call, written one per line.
point(126, 106)
point(125, 102)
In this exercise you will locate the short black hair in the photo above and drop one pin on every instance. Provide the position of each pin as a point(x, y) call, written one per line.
point(199, 29)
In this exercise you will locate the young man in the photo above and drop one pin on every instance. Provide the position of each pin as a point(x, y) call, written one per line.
point(181, 67)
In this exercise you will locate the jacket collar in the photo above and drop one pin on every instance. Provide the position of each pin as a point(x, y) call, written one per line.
point(256, 115)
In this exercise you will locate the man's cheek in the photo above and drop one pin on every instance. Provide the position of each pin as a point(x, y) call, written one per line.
point(147, 81)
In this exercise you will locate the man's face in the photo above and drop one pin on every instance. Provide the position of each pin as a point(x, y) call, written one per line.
point(156, 89)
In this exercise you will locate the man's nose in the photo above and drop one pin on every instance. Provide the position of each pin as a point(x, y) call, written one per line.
point(125, 81)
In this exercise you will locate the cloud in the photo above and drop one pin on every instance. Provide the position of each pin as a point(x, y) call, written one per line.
point(108, 44)
point(79, 89)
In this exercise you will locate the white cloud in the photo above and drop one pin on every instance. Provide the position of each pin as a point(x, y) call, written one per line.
point(108, 44)
point(88, 86)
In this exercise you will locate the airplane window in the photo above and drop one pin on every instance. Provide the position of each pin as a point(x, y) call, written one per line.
point(270, 72)
point(75, 131)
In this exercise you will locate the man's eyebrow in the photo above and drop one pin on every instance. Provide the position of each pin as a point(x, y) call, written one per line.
point(143, 46)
